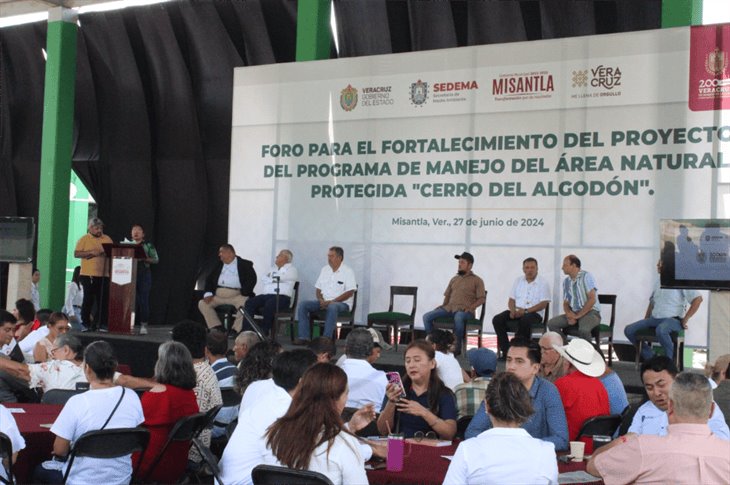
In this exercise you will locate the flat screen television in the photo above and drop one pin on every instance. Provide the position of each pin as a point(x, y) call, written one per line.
point(695, 253)
point(16, 239)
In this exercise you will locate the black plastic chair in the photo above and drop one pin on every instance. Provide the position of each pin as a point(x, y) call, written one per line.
point(109, 443)
point(59, 396)
point(6, 456)
point(278, 475)
point(185, 429)
point(396, 320)
point(605, 425)
point(230, 396)
point(461, 424)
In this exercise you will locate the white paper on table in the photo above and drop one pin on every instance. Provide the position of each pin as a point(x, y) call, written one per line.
point(122, 271)
point(16, 410)
point(577, 477)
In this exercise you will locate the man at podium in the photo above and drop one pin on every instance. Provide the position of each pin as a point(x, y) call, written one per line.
point(94, 273)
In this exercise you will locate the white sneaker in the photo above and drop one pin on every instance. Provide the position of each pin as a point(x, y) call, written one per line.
point(143, 329)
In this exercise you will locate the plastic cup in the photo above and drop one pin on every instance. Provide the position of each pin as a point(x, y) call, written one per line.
point(577, 448)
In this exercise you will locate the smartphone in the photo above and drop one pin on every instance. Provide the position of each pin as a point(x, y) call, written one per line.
point(394, 378)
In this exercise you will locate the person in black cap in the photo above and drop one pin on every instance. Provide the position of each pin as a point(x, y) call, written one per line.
point(463, 295)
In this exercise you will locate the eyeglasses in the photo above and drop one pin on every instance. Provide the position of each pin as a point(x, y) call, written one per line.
point(54, 349)
point(420, 435)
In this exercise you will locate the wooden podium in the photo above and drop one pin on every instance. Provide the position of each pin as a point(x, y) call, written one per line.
point(122, 290)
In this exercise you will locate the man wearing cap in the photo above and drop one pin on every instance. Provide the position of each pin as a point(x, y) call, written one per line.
point(582, 393)
point(230, 283)
point(580, 301)
point(657, 375)
point(666, 314)
point(528, 299)
point(366, 384)
point(469, 395)
point(336, 288)
point(688, 453)
point(94, 273)
point(463, 295)
point(547, 423)
point(280, 280)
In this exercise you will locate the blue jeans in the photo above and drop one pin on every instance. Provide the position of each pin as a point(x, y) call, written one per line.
point(144, 284)
point(330, 322)
point(664, 327)
point(460, 319)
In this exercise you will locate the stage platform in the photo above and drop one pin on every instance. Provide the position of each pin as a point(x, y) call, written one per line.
point(139, 352)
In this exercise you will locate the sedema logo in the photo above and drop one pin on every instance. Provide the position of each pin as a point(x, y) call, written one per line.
point(348, 98)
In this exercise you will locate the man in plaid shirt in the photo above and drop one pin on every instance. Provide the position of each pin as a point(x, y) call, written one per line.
point(469, 396)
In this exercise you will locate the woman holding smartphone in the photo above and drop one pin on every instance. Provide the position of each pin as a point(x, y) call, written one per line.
point(423, 403)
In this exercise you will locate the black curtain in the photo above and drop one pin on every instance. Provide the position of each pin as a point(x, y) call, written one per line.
point(152, 128)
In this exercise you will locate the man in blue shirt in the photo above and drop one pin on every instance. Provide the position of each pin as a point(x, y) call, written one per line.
point(581, 309)
point(548, 423)
point(666, 314)
point(658, 375)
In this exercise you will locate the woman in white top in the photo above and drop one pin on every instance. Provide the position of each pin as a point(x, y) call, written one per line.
point(74, 300)
point(506, 453)
point(103, 406)
point(9, 427)
point(57, 325)
point(311, 435)
point(448, 368)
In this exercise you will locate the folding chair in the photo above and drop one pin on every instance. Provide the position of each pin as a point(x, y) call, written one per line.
point(185, 429)
point(600, 425)
point(392, 320)
point(344, 319)
point(109, 443)
point(279, 475)
point(59, 396)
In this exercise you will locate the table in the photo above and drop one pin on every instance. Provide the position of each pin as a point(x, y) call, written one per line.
point(424, 465)
point(38, 439)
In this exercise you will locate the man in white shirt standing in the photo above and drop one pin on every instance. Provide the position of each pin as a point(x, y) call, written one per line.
point(658, 375)
point(335, 287)
point(366, 384)
point(280, 279)
point(527, 301)
point(231, 283)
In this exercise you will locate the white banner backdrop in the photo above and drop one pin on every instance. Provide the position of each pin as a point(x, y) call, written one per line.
point(538, 149)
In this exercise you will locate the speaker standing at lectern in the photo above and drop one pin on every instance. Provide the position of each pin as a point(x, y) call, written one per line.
point(94, 273)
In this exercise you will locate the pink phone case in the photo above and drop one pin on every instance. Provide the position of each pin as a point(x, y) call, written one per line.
point(394, 378)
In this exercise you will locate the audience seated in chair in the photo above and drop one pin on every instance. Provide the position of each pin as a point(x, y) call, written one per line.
point(254, 371)
point(315, 412)
point(9, 428)
point(193, 336)
point(366, 384)
point(243, 343)
point(324, 348)
point(548, 422)
point(552, 364)
point(582, 394)
point(57, 324)
point(216, 348)
point(448, 368)
point(470, 394)
point(104, 406)
point(658, 374)
point(688, 453)
point(171, 399)
point(719, 375)
point(498, 454)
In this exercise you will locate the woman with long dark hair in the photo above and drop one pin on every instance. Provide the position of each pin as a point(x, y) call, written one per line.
point(163, 405)
point(427, 406)
point(311, 435)
point(500, 455)
point(257, 364)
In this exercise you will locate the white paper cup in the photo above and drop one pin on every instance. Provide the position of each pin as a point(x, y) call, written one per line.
point(577, 449)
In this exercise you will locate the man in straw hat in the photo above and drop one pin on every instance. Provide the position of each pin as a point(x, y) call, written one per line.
point(583, 395)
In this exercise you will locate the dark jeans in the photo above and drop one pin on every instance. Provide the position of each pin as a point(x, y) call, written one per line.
point(96, 299)
point(265, 305)
point(144, 284)
point(522, 327)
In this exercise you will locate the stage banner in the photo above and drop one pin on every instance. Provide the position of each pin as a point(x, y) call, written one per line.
point(534, 149)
